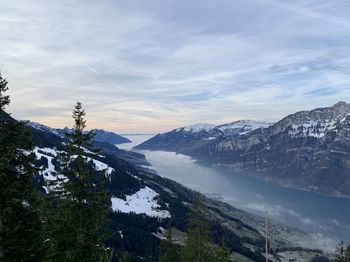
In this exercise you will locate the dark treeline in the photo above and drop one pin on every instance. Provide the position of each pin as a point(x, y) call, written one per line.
point(20, 216)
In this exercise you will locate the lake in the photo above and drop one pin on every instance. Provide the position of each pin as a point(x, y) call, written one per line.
point(311, 212)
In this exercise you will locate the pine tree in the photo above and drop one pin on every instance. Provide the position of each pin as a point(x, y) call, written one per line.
point(198, 247)
point(347, 254)
point(222, 254)
point(170, 252)
point(342, 253)
point(20, 224)
point(78, 202)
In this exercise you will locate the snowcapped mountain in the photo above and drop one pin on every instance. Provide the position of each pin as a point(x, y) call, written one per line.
point(196, 128)
point(308, 150)
point(41, 127)
point(235, 128)
point(187, 138)
point(241, 127)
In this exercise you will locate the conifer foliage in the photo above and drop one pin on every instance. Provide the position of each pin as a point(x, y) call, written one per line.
point(20, 224)
point(199, 247)
point(78, 202)
point(169, 251)
point(342, 253)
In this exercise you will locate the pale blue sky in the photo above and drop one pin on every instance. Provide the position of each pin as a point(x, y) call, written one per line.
point(151, 66)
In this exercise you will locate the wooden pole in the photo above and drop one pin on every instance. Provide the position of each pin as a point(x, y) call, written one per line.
point(266, 238)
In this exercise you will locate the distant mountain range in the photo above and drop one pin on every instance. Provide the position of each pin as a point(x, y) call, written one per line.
point(99, 134)
point(308, 150)
point(186, 139)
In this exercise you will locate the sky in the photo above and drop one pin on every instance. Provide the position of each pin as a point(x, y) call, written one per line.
point(152, 66)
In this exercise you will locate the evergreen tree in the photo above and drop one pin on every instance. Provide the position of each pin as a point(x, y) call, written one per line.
point(222, 254)
point(198, 247)
point(78, 202)
point(170, 251)
point(20, 224)
point(347, 254)
point(342, 253)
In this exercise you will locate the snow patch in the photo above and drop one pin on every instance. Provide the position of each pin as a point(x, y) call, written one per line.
point(99, 166)
point(87, 151)
point(242, 127)
point(315, 129)
point(147, 167)
point(196, 128)
point(142, 202)
point(50, 173)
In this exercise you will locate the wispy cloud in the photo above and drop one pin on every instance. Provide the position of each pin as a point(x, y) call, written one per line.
point(152, 66)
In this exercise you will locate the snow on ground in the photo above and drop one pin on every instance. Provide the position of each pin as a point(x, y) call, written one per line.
point(87, 151)
point(316, 129)
point(245, 126)
point(50, 173)
point(142, 202)
point(45, 128)
point(196, 128)
point(147, 167)
point(100, 166)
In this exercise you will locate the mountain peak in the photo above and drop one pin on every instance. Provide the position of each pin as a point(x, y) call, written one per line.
point(196, 128)
point(341, 105)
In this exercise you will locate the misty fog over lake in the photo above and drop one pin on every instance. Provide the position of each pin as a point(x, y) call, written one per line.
point(307, 211)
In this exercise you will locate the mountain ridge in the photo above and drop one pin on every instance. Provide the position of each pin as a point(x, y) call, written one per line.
point(307, 150)
point(100, 135)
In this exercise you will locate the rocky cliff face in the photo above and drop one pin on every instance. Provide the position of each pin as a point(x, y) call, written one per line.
point(309, 150)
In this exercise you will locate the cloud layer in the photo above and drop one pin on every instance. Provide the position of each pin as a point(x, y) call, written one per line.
point(150, 66)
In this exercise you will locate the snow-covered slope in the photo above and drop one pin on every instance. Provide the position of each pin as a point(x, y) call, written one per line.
point(242, 127)
point(239, 127)
point(185, 139)
point(196, 128)
point(41, 127)
point(142, 202)
point(316, 129)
